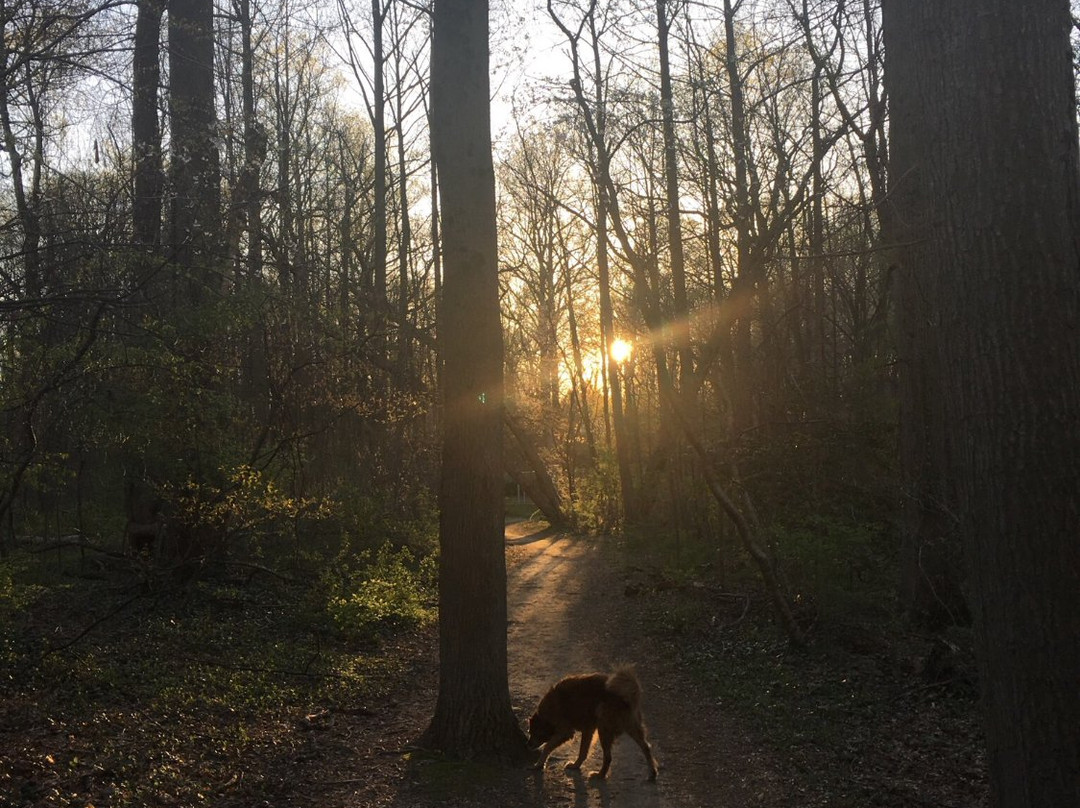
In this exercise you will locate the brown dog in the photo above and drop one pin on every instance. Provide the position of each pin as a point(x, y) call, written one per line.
point(588, 703)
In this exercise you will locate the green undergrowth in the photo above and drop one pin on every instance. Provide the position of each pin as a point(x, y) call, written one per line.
point(115, 693)
point(871, 713)
point(382, 591)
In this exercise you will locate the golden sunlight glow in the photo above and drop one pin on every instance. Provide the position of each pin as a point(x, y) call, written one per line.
point(620, 351)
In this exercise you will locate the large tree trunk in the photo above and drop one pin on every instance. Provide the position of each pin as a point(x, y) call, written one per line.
point(473, 715)
point(145, 127)
point(195, 218)
point(985, 172)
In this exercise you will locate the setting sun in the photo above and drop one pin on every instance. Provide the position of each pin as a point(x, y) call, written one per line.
point(621, 350)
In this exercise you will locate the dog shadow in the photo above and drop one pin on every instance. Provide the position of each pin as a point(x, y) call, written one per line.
point(588, 792)
point(582, 784)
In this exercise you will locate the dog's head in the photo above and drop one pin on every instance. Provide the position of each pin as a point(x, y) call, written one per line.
point(540, 730)
point(541, 727)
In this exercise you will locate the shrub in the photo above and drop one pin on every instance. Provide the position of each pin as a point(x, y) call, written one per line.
point(390, 590)
point(595, 507)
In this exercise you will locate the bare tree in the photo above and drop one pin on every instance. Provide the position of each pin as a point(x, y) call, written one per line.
point(664, 15)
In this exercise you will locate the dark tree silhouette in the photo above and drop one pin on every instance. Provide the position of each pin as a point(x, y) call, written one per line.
point(984, 174)
point(473, 715)
point(195, 172)
point(145, 127)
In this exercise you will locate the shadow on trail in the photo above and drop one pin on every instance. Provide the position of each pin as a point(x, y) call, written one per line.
point(431, 780)
point(568, 615)
point(553, 599)
point(440, 782)
point(519, 533)
point(568, 612)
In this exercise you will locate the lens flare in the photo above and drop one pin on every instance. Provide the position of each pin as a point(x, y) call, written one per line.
point(620, 351)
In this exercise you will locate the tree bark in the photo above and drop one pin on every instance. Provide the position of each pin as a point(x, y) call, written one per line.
point(26, 199)
point(473, 714)
point(149, 175)
point(595, 120)
point(245, 205)
point(404, 348)
point(627, 490)
point(195, 218)
point(985, 172)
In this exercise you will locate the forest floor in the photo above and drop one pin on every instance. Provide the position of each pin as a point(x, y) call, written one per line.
point(736, 718)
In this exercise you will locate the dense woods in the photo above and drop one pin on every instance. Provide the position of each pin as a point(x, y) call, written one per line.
point(223, 255)
point(759, 265)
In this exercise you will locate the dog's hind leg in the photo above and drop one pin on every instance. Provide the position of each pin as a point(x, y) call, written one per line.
point(607, 738)
point(583, 752)
point(638, 734)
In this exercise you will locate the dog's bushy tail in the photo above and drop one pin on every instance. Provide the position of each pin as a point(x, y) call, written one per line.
point(624, 684)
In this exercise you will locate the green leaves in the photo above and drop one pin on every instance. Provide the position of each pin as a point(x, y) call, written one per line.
point(393, 589)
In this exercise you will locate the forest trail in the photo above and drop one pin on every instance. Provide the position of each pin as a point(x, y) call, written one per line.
point(569, 613)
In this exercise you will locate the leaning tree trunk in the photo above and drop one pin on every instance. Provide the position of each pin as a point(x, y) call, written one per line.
point(985, 178)
point(527, 468)
point(473, 715)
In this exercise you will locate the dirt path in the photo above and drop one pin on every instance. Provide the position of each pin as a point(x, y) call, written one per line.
point(568, 614)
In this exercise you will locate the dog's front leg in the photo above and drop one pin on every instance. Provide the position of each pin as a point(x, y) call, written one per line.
point(583, 752)
point(550, 747)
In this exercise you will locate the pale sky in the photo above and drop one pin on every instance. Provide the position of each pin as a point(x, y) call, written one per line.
point(526, 50)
